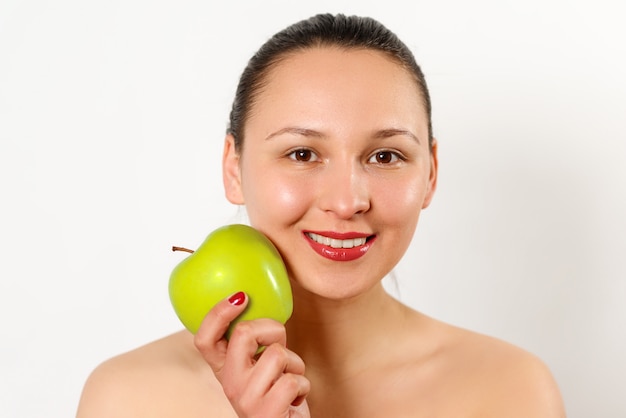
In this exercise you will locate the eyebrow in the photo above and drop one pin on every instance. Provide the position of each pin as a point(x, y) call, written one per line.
point(381, 134)
point(296, 131)
point(386, 133)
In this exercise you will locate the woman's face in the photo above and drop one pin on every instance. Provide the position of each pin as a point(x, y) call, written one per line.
point(335, 167)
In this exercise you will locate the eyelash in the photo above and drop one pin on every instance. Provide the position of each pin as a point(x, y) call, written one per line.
point(395, 156)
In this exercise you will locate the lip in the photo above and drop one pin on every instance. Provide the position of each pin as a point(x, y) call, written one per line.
point(340, 254)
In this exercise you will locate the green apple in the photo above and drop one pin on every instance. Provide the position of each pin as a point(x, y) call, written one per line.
point(232, 258)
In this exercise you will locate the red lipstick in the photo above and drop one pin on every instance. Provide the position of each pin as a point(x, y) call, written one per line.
point(340, 246)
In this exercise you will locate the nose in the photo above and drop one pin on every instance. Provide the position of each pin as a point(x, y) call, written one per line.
point(344, 191)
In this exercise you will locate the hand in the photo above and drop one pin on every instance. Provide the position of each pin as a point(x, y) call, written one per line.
point(270, 384)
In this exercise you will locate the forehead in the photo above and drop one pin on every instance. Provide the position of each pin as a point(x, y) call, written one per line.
point(336, 65)
point(330, 84)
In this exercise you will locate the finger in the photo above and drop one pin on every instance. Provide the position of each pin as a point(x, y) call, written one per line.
point(247, 337)
point(289, 389)
point(275, 361)
point(295, 363)
point(271, 364)
point(209, 338)
point(278, 357)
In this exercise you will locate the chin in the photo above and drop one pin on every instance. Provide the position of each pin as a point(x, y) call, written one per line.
point(334, 287)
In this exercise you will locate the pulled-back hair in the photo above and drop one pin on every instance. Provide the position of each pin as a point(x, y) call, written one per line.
point(323, 30)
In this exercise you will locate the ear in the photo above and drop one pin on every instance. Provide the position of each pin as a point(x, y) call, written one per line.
point(432, 179)
point(231, 172)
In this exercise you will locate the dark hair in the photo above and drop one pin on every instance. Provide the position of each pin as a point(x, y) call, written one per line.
point(350, 32)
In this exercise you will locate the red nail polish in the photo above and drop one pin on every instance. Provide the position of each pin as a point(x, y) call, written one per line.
point(237, 299)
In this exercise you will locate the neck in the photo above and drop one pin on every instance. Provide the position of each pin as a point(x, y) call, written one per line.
point(339, 336)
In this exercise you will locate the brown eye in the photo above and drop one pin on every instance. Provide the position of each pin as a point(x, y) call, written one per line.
point(384, 157)
point(303, 155)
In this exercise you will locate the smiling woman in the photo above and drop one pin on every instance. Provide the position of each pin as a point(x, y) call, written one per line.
point(330, 148)
point(339, 162)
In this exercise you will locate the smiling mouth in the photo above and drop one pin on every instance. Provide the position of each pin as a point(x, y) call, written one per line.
point(341, 247)
point(337, 243)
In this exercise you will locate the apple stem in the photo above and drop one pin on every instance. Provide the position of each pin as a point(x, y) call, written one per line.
point(182, 249)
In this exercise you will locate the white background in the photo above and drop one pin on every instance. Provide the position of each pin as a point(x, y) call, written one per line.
point(112, 117)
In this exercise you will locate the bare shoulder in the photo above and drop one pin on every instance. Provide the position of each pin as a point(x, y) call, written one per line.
point(164, 378)
point(506, 380)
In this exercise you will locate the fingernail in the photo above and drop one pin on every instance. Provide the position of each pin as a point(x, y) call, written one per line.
point(237, 299)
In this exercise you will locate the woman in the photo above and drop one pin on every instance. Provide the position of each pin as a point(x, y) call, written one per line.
point(330, 148)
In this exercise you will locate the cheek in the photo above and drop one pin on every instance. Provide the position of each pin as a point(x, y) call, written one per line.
point(400, 204)
point(290, 199)
point(272, 199)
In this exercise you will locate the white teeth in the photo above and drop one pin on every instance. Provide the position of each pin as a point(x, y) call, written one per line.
point(336, 243)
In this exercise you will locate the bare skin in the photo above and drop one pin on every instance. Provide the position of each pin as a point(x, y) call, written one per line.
point(337, 146)
point(435, 370)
